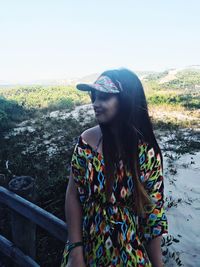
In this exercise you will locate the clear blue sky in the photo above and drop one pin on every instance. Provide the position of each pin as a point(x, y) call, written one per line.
point(55, 39)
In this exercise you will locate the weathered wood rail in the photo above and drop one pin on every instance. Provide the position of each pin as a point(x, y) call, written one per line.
point(25, 215)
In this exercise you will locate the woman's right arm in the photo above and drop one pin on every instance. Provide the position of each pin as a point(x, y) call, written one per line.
point(73, 215)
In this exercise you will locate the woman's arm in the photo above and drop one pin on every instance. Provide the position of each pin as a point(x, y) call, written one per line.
point(73, 215)
point(153, 224)
point(153, 249)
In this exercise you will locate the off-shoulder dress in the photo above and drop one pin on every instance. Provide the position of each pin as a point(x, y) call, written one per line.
point(113, 235)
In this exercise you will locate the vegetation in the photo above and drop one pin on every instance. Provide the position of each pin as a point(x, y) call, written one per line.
point(186, 79)
point(19, 103)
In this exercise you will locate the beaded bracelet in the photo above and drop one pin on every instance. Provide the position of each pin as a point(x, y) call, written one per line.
point(69, 247)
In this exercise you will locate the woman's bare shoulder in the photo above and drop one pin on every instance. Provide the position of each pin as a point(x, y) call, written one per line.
point(92, 135)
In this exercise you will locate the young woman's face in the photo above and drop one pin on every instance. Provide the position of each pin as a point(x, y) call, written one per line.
point(105, 105)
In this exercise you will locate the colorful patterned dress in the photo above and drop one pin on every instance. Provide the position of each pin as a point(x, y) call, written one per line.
point(113, 235)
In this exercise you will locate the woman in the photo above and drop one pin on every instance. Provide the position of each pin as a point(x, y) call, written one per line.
point(114, 200)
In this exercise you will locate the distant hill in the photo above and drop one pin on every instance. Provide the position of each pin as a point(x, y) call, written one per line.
point(172, 74)
point(177, 78)
point(162, 77)
point(90, 78)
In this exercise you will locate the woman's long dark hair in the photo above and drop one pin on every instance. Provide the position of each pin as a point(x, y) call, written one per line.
point(133, 123)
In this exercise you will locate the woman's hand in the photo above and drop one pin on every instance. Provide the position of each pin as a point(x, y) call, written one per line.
point(76, 258)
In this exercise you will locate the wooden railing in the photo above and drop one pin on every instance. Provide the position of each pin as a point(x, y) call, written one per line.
point(25, 215)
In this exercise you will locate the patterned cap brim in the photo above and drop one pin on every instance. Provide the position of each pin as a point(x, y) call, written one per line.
point(83, 87)
point(88, 87)
point(103, 84)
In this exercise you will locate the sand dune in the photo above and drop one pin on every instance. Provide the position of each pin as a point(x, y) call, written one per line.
point(182, 191)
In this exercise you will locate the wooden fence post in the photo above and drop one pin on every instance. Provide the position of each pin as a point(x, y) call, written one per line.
point(23, 230)
point(3, 213)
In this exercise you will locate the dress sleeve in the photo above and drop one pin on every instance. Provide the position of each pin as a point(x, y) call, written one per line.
point(154, 223)
point(78, 169)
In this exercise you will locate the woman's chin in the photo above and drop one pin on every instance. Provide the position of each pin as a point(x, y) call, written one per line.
point(100, 117)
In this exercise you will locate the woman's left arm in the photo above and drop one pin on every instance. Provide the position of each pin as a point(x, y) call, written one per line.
point(154, 223)
point(153, 249)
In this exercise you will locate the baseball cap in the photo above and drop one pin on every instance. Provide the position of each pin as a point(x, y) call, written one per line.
point(103, 84)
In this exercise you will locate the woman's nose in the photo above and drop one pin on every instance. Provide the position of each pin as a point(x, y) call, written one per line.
point(96, 102)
